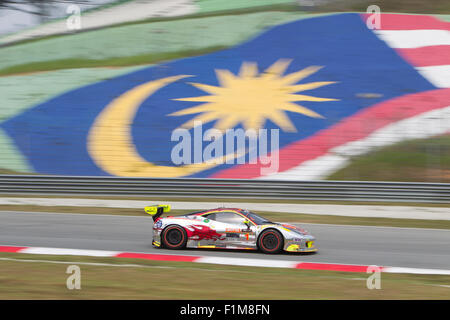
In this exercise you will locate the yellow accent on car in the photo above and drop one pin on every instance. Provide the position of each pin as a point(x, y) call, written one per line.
point(152, 210)
point(309, 244)
point(206, 247)
point(156, 243)
point(293, 247)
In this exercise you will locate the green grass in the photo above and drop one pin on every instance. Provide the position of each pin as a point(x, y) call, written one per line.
point(77, 63)
point(43, 279)
point(145, 42)
point(423, 160)
point(273, 216)
point(236, 6)
point(8, 171)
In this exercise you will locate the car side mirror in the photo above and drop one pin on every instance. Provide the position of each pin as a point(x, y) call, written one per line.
point(247, 223)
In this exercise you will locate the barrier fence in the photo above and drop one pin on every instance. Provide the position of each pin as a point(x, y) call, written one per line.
point(226, 188)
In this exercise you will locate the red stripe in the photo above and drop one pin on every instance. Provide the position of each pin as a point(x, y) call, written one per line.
point(331, 267)
point(158, 257)
point(392, 21)
point(350, 129)
point(426, 56)
point(11, 249)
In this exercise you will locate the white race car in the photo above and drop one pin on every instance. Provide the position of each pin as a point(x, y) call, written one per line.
point(226, 228)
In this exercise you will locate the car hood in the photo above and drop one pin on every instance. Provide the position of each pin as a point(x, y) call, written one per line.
point(295, 229)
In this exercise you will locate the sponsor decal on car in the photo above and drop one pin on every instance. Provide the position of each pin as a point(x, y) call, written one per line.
point(233, 230)
point(232, 235)
point(293, 247)
point(158, 224)
point(199, 232)
point(290, 228)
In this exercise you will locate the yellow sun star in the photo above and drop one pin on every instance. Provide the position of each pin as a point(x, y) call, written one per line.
point(251, 97)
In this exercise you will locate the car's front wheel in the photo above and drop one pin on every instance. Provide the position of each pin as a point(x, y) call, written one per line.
point(174, 237)
point(270, 241)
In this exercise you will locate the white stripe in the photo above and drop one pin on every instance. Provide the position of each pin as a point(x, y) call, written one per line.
point(317, 168)
point(415, 270)
point(414, 38)
point(424, 125)
point(96, 264)
point(439, 76)
point(248, 262)
point(69, 252)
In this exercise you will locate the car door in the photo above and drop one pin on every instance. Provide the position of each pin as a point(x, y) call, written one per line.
point(230, 223)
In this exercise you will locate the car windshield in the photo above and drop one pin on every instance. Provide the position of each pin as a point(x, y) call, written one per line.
point(256, 219)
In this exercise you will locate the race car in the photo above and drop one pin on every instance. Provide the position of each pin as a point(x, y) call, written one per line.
point(226, 228)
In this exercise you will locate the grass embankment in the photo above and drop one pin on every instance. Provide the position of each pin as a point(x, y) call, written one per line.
point(77, 63)
point(146, 41)
point(33, 279)
point(273, 216)
point(415, 160)
point(189, 31)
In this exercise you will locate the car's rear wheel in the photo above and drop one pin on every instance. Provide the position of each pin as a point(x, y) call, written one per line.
point(270, 241)
point(174, 237)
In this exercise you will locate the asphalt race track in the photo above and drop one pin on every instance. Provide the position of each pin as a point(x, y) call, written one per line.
point(382, 246)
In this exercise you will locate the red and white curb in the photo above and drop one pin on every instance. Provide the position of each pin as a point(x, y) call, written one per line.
point(219, 260)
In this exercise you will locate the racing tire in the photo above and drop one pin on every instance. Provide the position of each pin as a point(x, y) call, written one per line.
point(174, 237)
point(270, 241)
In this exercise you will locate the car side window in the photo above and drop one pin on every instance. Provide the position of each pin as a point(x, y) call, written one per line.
point(229, 217)
point(211, 216)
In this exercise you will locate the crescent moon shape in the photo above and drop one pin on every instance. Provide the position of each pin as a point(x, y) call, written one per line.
point(110, 141)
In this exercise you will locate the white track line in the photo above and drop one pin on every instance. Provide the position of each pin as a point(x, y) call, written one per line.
point(69, 252)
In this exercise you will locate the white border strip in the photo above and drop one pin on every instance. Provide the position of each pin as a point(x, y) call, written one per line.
point(407, 39)
point(69, 252)
point(415, 270)
point(439, 76)
point(248, 262)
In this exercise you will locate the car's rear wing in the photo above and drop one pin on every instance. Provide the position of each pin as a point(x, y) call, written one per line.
point(157, 210)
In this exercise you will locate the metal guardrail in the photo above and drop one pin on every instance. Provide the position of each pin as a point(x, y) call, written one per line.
point(226, 188)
